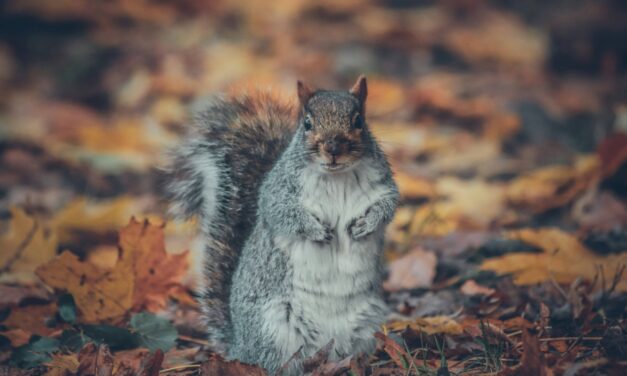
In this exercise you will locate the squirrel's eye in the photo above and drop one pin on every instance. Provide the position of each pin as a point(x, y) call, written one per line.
point(307, 123)
point(358, 123)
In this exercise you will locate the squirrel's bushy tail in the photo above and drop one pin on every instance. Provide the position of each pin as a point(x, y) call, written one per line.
point(215, 175)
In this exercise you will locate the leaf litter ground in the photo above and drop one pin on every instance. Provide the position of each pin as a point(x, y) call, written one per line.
point(507, 138)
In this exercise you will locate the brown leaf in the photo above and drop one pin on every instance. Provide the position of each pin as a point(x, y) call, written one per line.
point(613, 153)
point(428, 325)
point(18, 337)
point(26, 245)
point(32, 318)
point(532, 362)
point(13, 295)
point(412, 270)
point(95, 361)
point(157, 273)
point(396, 352)
point(216, 365)
point(320, 357)
point(62, 365)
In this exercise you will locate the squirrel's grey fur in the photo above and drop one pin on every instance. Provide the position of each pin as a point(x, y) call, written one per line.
point(293, 251)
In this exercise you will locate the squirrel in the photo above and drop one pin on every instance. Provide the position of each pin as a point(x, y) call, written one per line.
point(292, 204)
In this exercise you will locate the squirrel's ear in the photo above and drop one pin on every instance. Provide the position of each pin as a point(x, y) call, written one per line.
point(304, 92)
point(360, 90)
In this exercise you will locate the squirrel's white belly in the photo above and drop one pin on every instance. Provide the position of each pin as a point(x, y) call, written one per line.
point(334, 291)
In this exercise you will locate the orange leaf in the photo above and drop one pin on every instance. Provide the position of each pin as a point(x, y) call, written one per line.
point(98, 294)
point(157, 273)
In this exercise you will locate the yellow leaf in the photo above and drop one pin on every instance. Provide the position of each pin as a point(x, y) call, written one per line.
point(413, 187)
point(564, 258)
point(428, 325)
point(82, 215)
point(62, 365)
point(478, 201)
point(26, 245)
point(553, 186)
point(98, 294)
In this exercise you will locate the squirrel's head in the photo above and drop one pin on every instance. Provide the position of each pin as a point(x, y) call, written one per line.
point(334, 124)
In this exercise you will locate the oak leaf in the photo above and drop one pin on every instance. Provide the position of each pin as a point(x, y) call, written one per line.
point(412, 270)
point(563, 258)
point(26, 245)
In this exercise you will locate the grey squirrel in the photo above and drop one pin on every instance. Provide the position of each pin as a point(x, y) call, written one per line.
point(293, 204)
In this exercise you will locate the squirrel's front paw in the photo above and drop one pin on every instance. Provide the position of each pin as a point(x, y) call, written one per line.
point(320, 232)
point(360, 227)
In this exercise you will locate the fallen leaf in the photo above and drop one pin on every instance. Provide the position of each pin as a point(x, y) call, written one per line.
point(478, 201)
point(216, 365)
point(553, 186)
point(412, 270)
point(413, 187)
point(26, 245)
point(95, 360)
point(157, 273)
point(470, 287)
point(564, 258)
point(613, 153)
point(62, 365)
point(155, 333)
point(396, 352)
point(499, 38)
point(428, 325)
point(32, 318)
point(18, 337)
point(83, 215)
point(98, 294)
point(14, 295)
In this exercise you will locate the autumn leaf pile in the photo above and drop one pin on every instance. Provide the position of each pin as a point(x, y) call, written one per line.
point(505, 124)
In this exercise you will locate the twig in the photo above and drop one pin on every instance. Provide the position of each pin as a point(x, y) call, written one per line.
point(570, 339)
point(194, 340)
point(186, 366)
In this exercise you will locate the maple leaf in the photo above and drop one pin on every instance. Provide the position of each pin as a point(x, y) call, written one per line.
point(564, 258)
point(25, 246)
point(157, 273)
point(99, 294)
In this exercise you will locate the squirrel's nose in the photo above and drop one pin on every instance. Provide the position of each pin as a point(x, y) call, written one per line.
point(332, 147)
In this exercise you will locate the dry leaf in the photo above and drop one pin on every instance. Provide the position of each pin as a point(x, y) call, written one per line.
point(428, 325)
point(412, 270)
point(477, 201)
point(396, 352)
point(564, 258)
point(157, 273)
point(18, 337)
point(82, 215)
point(98, 294)
point(32, 318)
point(26, 245)
point(413, 187)
point(216, 365)
point(62, 365)
point(553, 186)
point(95, 360)
point(470, 287)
